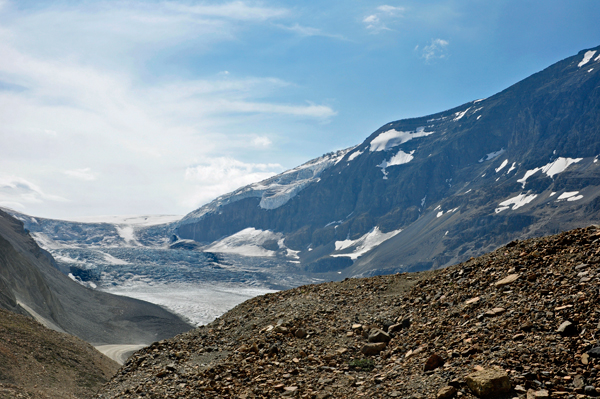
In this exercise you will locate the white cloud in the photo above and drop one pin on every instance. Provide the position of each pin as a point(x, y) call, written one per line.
point(234, 10)
point(390, 9)
point(261, 141)
point(85, 174)
point(436, 49)
point(18, 193)
point(385, 13)
point(218, 176)
point(94, 100)
point(309, 31)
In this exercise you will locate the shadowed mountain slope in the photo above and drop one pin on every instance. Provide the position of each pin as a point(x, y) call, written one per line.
point(437, 189)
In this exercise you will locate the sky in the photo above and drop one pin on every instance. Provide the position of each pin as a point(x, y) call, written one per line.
point(158, 107)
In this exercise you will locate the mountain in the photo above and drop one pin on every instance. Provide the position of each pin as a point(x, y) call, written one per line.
point(522, 321)
point(31, 284)
point(429, 192)
point(41, 363)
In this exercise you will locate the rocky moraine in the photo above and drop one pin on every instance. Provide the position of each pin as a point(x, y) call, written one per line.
point(522, 321)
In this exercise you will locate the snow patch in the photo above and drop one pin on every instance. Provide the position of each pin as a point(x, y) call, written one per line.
point(247, 242)
point(393, 138)
point(439, 214)
point(399, 159)
point(516, 202)
point(459, 115)
point(364, 244)
point(492, 155)
point(275, 191)
point(586, 58)
point(354, 155)
point(499, 168)
point(127, 233)
point(513, 167)
point(590, 70)
point(570, 196)
point(551, 169)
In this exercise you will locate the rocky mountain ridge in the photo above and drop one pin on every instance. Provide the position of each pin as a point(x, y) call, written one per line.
point(434, 190)
point(521, 321)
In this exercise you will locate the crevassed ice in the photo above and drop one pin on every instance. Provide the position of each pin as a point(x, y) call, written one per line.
point(516, 202)
point(392, 138)
point(586, 58)
point(553, 168)
point(364, 244)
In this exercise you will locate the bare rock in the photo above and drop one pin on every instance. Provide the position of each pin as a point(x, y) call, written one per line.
point(567, 329)
point(541, 394)
point(434, 362)
point(446, 392)
point(379, 336)
point(511, 278)
point(373, 348)
point(488, 382)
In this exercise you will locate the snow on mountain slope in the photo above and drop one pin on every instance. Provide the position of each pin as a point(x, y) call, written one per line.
point(480, 160)
point(277, 190)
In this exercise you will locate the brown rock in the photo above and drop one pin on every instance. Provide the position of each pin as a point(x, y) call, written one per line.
point(378, 335)
point(446, 392)
point(511, 278)
point(488, 382)
point(373, 348)
point(434, 362)
point(541, 394)
point(300, 333)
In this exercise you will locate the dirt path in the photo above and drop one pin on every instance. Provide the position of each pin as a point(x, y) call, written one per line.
point(119, 353)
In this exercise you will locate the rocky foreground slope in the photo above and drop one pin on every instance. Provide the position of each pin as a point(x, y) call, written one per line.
point(39, 363)
point(528, 312)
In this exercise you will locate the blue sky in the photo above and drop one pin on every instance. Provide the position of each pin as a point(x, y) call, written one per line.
point(156, 107)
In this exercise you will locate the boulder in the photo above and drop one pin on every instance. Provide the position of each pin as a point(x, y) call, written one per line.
point(373, 348)
point(379, 336)
point(488, 382)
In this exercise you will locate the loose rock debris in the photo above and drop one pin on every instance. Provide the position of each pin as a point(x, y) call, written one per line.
point(522, 321)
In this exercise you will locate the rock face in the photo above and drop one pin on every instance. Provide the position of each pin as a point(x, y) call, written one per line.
point(32, 285)
point(518, 347)
point(432, 191)
point(489, 382)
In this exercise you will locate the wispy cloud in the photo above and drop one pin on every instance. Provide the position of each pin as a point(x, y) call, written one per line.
point(261, 142)
point(217, 176)
point(234, 10)
point(308, 31)
point(96, 100)
point(85, 174)
point(18, 193)
point(384, 14)
point(390, 9)
point(436, 49)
